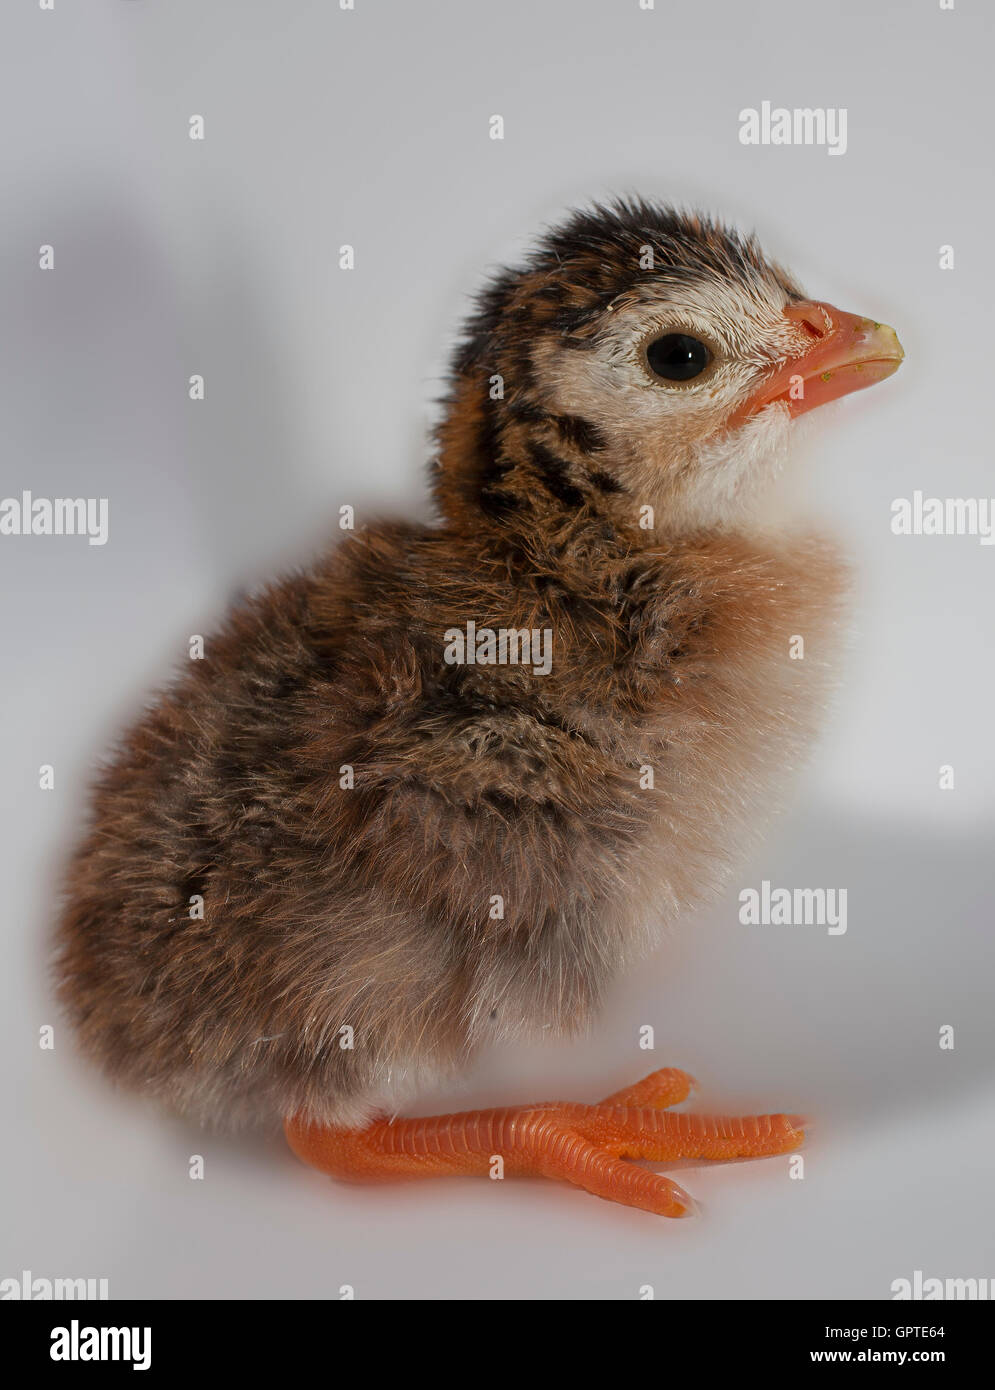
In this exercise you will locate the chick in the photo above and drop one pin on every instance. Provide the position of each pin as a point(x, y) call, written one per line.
point(438, 789)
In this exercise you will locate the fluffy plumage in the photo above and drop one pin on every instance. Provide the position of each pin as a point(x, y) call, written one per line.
point(372, 906)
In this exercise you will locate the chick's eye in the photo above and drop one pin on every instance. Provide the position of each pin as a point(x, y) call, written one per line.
point(677, 357)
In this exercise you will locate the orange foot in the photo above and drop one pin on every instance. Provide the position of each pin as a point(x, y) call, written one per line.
point(583, 1144)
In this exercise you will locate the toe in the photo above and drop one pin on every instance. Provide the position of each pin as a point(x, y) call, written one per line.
point(660, 1089)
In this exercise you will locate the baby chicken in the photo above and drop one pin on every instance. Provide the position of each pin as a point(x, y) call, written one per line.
point(438, 789)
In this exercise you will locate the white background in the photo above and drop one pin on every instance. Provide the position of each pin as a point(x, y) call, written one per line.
point(221, 257)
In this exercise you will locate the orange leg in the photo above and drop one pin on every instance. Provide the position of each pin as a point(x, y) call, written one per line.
point(586, 1145)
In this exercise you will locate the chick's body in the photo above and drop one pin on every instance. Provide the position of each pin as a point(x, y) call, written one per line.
point(498, 854)
point(330, 862)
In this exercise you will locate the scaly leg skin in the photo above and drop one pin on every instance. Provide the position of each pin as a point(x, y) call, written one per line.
point(586, 1145)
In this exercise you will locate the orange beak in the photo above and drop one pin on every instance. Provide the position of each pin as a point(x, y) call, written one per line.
point(846, 354)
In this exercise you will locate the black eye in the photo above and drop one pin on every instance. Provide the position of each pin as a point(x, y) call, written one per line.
point(677, 357)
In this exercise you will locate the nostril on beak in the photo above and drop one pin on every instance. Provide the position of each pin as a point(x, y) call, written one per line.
point(812, 317)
